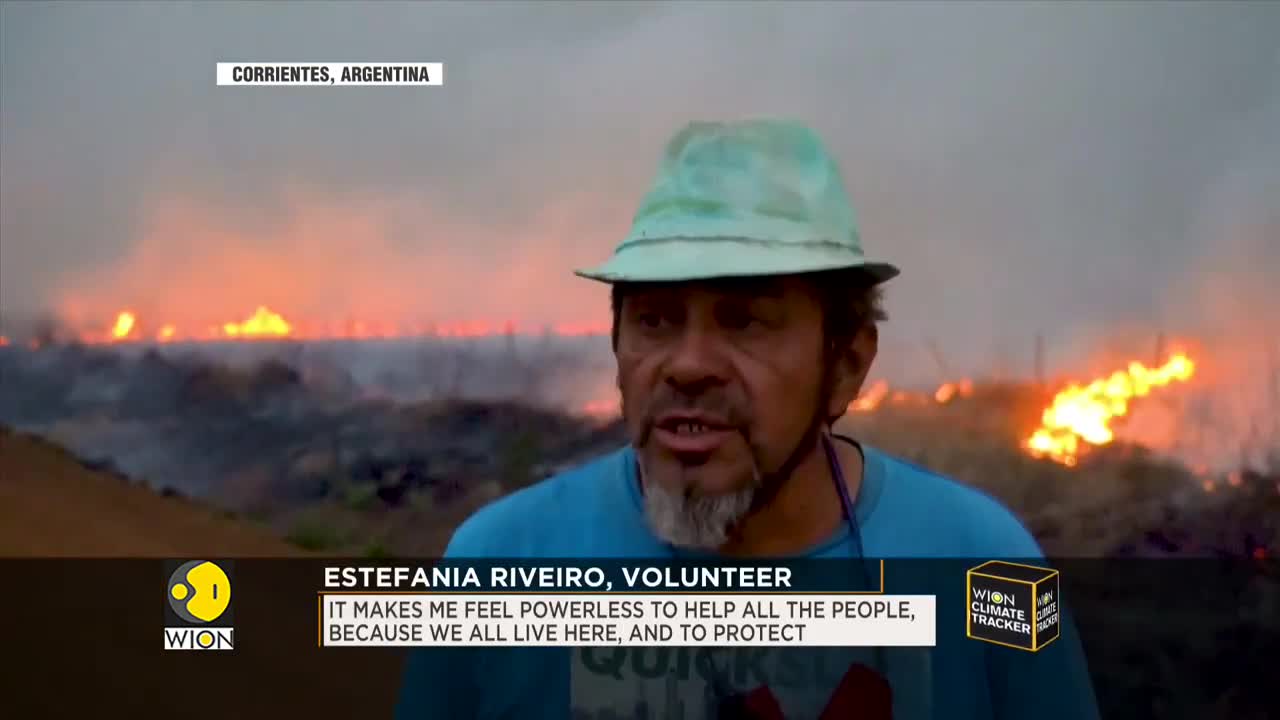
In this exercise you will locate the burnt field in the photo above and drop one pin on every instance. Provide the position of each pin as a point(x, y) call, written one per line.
point(386, 452)
point(333, 447)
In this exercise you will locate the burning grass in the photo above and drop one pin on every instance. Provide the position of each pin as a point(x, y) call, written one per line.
point(127, 327)
point(339, 467)
point(1083, 414)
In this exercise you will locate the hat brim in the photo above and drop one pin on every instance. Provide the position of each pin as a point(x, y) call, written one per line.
point(685, 259)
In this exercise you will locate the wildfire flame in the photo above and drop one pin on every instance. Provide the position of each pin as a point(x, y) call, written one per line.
point(600, 409)
point(872, 398)
point(265, 323)
point(947, 391)
point(1082, 415)
point(879, 393)
point(1078, 417)
point(124, 325)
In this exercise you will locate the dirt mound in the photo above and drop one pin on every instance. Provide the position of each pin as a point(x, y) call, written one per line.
point(53, 506)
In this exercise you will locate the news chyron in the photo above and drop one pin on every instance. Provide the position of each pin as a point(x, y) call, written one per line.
point(198, 609)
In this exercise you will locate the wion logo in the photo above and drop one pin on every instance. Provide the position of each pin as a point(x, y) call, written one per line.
point(197, 610)
point(1012, 605)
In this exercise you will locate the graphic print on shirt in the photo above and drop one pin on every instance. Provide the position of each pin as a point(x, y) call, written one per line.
point(772, 683)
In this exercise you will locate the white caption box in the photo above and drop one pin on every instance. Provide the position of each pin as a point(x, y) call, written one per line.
point(626, 620)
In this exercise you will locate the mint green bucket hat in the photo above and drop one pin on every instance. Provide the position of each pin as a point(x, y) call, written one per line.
point(741, 199)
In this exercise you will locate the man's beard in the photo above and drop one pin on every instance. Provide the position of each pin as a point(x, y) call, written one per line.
point(702, 522)
point(685, 518)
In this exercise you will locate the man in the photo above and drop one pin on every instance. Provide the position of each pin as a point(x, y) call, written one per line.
point(745, 322)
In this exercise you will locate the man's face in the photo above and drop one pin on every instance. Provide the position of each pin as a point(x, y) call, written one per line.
point(721, 382)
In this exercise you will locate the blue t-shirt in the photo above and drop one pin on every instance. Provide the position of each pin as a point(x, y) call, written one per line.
point(903, 511)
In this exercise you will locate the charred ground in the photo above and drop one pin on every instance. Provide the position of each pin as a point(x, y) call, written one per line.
point(334, 463)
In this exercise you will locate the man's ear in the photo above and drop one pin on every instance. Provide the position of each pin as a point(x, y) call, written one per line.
point(852, 363)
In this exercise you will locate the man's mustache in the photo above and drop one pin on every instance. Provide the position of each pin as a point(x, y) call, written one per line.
point(731, 411)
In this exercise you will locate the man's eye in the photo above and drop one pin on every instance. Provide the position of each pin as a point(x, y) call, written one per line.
point(650, 319)
point(737, 319)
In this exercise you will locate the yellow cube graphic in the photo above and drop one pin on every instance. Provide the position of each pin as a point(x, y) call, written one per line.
point(1012, 604)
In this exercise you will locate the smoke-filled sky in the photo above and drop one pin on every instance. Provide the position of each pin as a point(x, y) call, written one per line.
point(1089, 171)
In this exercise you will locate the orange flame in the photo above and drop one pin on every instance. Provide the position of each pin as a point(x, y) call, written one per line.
point(871, 398)
point(1082, 415)
point(945, 392)
point(950, 390)
point(601, 409)
point(125, 322)
point(879, 392)
point(264, 323)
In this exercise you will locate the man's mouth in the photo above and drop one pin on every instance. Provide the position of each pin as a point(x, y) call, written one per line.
point(691, 434)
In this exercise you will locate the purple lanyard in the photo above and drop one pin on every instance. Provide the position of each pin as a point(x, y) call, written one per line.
point(726, 697)
point(837, 476)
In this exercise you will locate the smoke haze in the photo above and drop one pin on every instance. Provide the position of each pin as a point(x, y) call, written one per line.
point(1093, 172)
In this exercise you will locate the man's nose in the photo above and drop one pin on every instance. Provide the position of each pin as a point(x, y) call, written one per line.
point(697, 360)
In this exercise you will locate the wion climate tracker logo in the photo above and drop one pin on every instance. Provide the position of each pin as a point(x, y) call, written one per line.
point(197, 609)
point(1013, 605)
